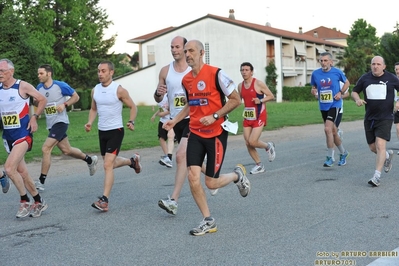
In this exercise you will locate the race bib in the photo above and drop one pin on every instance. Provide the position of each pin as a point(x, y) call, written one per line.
point(179, 101)
point(249, 113)
point(10, 120)
point(51, 109)
point(376, 91)
point(326, 96)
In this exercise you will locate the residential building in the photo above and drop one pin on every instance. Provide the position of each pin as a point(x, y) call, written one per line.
point(229, 42)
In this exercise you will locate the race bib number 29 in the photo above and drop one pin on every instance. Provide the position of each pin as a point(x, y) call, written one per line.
point(179, 101)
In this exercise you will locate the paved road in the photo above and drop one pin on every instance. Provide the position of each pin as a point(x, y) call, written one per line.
point(298, 212)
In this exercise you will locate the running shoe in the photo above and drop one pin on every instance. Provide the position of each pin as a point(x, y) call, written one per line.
point(214, 191)
point(93, 165)
point(342, 158)
point(169, 205)
point(166, 161)
point(38, 208)
point(100, 205)
point(375, 181)
point(388, 161)
point(271, 151)
point(161, 162)
point(207, 225)
point(257, 169)
point(5, 182)
point(39, 185)
point(24, 209)
point(243, 184)
point(329, 162)
point(135, 163)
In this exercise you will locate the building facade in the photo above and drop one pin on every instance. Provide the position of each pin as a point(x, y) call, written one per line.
point(229, 42)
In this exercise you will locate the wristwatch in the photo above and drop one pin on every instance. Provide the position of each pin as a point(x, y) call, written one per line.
point(216, 116)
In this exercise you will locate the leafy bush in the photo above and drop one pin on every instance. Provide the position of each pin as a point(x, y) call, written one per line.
point(84, 102)
point(301, 94)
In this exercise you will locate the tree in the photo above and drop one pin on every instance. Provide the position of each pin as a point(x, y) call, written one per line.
point(389, 48)
point(70, 35)
point(362, 47)
point(135, 60)
point(271, 77)
point(17, 43)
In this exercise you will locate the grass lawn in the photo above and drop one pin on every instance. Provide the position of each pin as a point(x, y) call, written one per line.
point(279, 115)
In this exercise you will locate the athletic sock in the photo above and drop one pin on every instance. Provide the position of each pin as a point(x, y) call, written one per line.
point(88, 159)
point(37, 198)
point(377, 173)
point(25, 198)
point(42, 178)
point(104, 198)
point(170, 156)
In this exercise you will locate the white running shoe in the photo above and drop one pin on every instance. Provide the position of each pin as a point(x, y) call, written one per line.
point(257, 169)
point(243, 183)
point(207, 225)
point(93, 165)
point(166, 161)
point(388, 161)
point(169, 205)
point(38, 208)
point(214, 191)
point(374, 181)
point(24, 209)
point(39, 186)
point(271, 151)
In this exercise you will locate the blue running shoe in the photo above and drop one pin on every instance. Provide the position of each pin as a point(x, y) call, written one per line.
point(5, 183)
point(329, 162)
point(342, 158)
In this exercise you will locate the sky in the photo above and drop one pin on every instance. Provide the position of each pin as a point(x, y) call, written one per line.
point(132, 19)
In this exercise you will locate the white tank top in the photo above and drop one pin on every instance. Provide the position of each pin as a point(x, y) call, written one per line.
point(109, 107)
point(164, 106)
point(175, 89)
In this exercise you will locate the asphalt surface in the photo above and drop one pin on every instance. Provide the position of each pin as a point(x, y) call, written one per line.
point(298, 212)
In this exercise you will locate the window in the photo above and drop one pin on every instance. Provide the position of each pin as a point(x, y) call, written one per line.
point(300, 48)
point(207, 57)
point(150, 54)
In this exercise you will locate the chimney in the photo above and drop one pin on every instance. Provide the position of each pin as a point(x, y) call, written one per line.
point(231, 14)
point(300, 30)
point(315, 34)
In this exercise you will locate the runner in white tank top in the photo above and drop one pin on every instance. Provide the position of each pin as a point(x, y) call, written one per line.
point(108, 99)
point(170, 78)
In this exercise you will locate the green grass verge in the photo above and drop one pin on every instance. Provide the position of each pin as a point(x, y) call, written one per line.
point(279, 115)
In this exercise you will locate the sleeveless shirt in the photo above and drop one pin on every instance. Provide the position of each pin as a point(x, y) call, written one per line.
point(248, 94)
point(109, 107)
point(14, 112)
point(175, 89)
point(164, 106)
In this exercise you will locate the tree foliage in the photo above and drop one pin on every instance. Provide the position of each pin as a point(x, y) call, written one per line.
point(362, 47)
point(68, 34)
point(271, 77)
point(17, 44)
point(389, 48)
